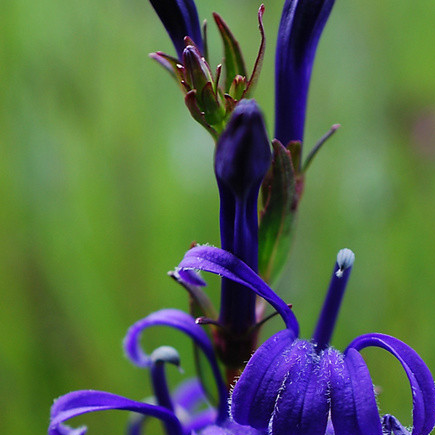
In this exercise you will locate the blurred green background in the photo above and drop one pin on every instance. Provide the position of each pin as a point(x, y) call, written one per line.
point(105, 180)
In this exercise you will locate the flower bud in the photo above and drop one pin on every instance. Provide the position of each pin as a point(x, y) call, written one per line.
point(301, 26)
point(243, 152)
point(242, 159)
point(196, 70)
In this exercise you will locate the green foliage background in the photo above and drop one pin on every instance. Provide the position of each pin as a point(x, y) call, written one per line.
point(105, 180)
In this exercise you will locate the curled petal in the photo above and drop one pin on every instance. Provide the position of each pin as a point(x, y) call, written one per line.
point(81, 402)
point(183, 322)
point(225, 264)
point(420, 378)
point(353, 404)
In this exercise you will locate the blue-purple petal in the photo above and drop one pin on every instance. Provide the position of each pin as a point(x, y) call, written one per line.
point(420, 378)
point(189, 394)
point(230, 428)
point(302, 405)
point(180, 19)
point(353, 403)
point(390, 425)
point(190, 277)
point(85, 401)
point(301, 26)
point(254, 396)
point(183, 322)
point(225, 264)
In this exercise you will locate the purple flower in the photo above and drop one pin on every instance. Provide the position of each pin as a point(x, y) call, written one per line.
point(242, 159)
point(294, 386)
point(302, 22)
point(182, 413)
point(180, 19)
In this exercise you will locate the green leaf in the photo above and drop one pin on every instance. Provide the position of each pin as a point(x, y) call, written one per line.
point(319, 145)
point(281, 190)
point(171, 64)
point(260, 57)
point(234, 63)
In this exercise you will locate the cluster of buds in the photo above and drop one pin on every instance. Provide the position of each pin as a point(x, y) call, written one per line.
point(209, 101)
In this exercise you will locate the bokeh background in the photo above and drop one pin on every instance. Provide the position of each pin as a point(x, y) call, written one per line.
point(105, 180)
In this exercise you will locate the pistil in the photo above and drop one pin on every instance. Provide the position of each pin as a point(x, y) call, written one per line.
point(328, 316)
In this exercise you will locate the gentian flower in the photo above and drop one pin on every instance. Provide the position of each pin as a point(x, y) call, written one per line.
point(242, 159)
point(294, 386)
point(180, 19)
point(290, 386)
point(302, 23)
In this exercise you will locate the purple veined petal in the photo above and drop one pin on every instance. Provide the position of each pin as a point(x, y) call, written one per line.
point(353, 403)
point(185, 323)
point(225, 264)
point(254, 395)
point(180, 19)
point(84, 401)
point(420, 378)
point(302, 405)
point(301, 26)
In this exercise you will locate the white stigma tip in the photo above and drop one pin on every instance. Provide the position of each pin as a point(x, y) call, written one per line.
point(345, 259)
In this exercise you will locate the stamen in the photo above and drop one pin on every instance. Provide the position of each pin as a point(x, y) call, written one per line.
point(328, 316)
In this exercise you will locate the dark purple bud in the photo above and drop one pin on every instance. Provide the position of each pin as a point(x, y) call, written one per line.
point(302, 23)
point(196, 70)
point(180, 19)
point(243, 152)
point(241, 161)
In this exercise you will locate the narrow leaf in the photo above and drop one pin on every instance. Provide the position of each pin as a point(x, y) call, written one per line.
point(276, 219)
point(234, 63)
point(259, 61)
